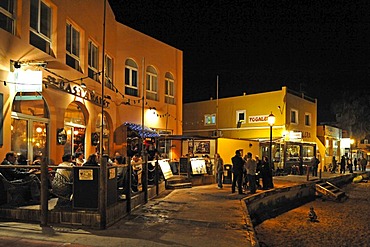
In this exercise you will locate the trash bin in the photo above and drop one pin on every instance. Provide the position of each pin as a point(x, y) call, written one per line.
point(228, 174)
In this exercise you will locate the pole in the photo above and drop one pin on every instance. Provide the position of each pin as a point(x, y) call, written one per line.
point(103, 161)
point(270, 149)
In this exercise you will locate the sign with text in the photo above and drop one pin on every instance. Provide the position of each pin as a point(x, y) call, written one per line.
point(258, 119)
point(165, 167)
point(198, 166)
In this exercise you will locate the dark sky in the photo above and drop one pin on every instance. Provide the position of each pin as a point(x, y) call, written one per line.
point(319, 47)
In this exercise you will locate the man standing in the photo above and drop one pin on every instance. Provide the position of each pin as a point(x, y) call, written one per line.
point(315, 166)
point(363, 164)
point(251, 167)
point(238, 164)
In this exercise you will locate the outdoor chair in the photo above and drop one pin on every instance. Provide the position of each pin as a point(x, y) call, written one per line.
point(17, 191)
point(62, 189)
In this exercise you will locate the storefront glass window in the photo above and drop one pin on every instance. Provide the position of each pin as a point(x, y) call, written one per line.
point(292, 152)
point(106, 131)
point(74, 123)
point(29, 127)
point(308, 153)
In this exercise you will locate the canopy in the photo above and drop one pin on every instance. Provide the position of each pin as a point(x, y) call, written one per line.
point(148, 132)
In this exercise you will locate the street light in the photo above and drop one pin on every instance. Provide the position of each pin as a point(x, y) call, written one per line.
point(271, 121)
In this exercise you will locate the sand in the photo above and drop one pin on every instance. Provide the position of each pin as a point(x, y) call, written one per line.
point(339, 223)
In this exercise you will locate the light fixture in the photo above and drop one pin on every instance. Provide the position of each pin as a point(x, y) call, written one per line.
point(83, 85)
point(17, 65)
point(38, 129)
point(271, 119)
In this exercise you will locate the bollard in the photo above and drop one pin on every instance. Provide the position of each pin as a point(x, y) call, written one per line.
point(308, 173)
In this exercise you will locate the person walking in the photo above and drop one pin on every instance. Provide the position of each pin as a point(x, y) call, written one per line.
point(355, 164)
point(238, 164)
point(219, 169)
point(251, 167)
point(334, 165)
point(315, 166)
point(343, 165)
point(363, 164)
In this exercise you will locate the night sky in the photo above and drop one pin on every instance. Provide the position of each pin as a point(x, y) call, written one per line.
point(321, 48)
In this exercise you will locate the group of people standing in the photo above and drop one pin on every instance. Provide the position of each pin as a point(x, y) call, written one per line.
point(248, 171)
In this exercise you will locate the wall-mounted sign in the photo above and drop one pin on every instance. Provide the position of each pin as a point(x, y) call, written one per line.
point(61, 136)
point(258, 119)
point(76, 90)
point(28, 81)
point(85, 174)
point(295, 135)
point(95, 138)
point(112, 173)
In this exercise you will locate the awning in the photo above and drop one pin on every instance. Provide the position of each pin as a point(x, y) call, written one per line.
point(148, 132)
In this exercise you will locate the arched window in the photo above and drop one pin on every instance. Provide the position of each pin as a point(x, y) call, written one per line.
point(29, 126)
point(131, 78)
point(169, 91)
point(151, 83)
point(75, 126)
point(106, 131)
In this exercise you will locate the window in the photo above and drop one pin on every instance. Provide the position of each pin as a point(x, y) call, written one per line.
point(151, 83)
point(109, 72)
point(7, 15)
point(73, 47)
point(307, 119)
point(93, 63)
point(294, 116)
point(210, 119)
point(240, 117)
point(169, 90)
point(40, 22)
point(131, 71)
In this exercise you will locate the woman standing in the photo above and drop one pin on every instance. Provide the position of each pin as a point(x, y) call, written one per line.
point(219, 168)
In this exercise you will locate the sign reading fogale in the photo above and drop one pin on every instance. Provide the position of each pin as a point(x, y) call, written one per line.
point(258, 119)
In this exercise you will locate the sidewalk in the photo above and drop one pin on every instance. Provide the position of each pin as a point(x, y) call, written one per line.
point(198, 216)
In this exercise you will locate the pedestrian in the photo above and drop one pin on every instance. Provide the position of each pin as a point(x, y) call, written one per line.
point(334, 165)
point(355, 164)
point(251, 167)
point(258, 172)
point(300, 165)
point(219, 169)
point(238, 164)
point(349, 165)
point(315, 166)
point(343, 165)
point(363, 164)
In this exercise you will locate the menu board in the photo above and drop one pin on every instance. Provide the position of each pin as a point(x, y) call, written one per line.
point(166, 169)
point(198, 166)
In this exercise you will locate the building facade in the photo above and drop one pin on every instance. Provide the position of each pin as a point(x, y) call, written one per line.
point(241, 122)
point(68, 77)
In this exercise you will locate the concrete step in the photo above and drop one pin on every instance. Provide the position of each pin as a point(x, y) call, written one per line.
point(178, 186)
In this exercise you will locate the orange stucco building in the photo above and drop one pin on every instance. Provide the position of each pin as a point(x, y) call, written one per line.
point(54, 54)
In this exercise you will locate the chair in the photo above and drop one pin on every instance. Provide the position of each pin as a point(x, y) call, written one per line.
point(17, 191)
point(62, 189)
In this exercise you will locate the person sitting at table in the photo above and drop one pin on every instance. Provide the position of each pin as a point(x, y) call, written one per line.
point(30, 181)
point(92, 160)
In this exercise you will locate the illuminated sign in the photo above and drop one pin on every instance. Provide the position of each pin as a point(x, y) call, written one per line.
point(295, 135)
point(76, 90)
point(258, 119)
point(28, 81)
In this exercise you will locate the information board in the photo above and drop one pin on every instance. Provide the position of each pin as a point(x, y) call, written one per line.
point(198, 166)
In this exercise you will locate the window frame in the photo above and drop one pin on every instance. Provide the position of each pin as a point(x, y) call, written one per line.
point(70, 51)
point(38, 31)
point(307, 114)
point(212, 118)
point(151, 83)
point(237, 114)
point(108, 71)
point(296, 116)
point(10, 15)
point(169, 89)
point(132, 72)
point(93, 60)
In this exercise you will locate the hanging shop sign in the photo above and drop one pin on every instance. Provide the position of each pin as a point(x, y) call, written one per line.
point(76, 90)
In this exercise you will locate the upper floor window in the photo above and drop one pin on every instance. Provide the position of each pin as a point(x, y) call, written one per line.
point(93, 61)
point(151, 83)
point(294, 116)
point(240, 117)
point(169, 90)
point(210, 119)
point(131, 74)
point(7, 15)
point(307, 119)
point(108, 72)
point(40, 22)
point(72, 47)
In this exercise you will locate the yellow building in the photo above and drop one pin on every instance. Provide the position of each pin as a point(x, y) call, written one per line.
point(241, 122)
point(53, 93)
point(329, 144)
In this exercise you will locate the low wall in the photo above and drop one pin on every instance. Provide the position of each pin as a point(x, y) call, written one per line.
point(83, 218)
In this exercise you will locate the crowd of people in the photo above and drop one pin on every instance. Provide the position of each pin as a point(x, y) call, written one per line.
point(248, 172)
